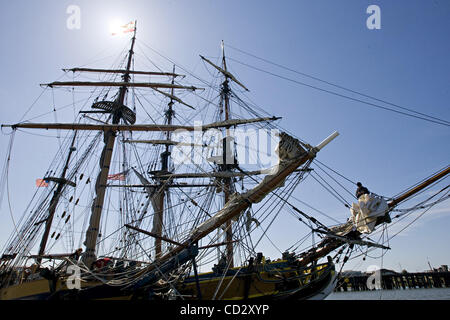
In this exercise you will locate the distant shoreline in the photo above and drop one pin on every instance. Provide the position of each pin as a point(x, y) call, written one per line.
point(396, 294)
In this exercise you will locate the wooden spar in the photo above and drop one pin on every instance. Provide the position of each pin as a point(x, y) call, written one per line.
point(154, 185)
point(224, 72)
point(135, 127)
point(354, 241)
point(117, 84)
point(165, 142)
point(149, 73)
point(172, 97)
point(216, 245)
point(233, 122)
point(221, 174)
point(58, 256)
point(214, 174)
point(61, 180)
point(154, 235)
point(419, 187)
point(101, 127)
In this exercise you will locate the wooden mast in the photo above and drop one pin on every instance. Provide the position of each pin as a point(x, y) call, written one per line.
point(54, 202)
point(227, 156)
point(105, 161)
point(227, 166)
point(160, 193)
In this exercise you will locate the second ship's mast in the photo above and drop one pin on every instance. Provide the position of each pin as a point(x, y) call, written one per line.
point(228, 161)
point(225, 92)
point(159, 196)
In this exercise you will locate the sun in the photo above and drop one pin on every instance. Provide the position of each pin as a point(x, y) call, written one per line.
point(115, 26)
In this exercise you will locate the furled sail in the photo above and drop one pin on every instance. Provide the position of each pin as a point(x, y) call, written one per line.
point(366, 212)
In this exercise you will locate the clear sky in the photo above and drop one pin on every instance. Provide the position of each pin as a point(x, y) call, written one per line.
point(405, 62)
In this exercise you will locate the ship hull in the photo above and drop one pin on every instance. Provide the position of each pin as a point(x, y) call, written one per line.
point(270, 281)
point(273, 281)
point(41, 289)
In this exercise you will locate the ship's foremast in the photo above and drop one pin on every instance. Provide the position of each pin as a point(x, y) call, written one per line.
point(55, 199)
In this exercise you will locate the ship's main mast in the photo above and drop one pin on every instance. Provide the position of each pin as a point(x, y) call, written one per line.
point(92, 232)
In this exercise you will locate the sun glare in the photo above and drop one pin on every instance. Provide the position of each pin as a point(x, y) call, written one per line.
point(115, 26)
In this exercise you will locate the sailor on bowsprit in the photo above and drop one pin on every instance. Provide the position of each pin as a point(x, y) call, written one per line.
point(361, 190)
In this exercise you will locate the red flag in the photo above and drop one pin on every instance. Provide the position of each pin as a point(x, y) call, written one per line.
point(129, 27)
point(41, 183)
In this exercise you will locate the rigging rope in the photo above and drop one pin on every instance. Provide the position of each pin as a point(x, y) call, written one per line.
point(338, 86)
point(443, 123)
point(334, 194)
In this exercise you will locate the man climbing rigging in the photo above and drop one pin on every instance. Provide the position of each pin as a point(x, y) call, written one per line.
point(361, 190)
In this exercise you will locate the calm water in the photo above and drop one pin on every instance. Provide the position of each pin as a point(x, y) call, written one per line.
point(409, 294)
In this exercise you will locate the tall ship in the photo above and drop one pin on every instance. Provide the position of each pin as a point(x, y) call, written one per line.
point(154, 182)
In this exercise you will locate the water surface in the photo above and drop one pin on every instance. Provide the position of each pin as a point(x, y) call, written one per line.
point(408, 294)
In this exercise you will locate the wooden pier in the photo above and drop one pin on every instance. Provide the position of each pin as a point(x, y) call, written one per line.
point(395, 281)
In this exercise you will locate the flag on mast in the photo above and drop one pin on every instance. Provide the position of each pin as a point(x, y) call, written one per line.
point(129, 27)
point(41, 183)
